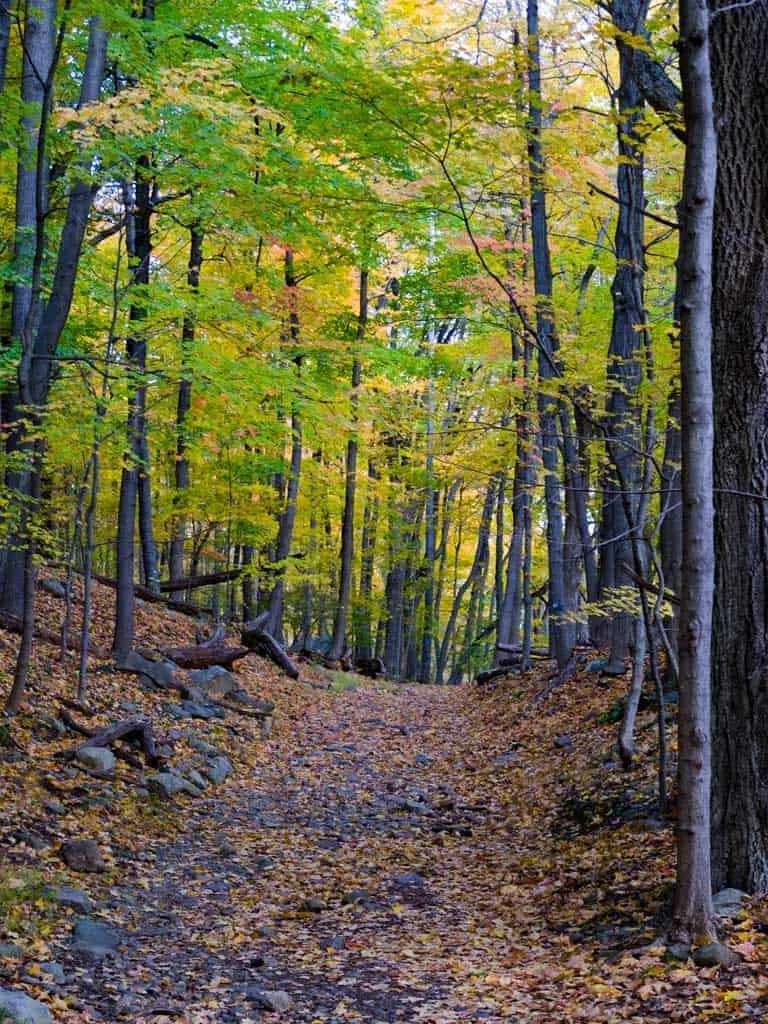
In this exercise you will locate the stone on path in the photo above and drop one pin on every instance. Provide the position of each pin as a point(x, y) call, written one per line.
point(215, 681)
point(218, 769)
point(273, 1001)
point(83, 855)
point(94, 938)
point(73, 898)
point(728, 902)
point(715, 954)
point(169, 785)
point(98, 759)
point(22, 1009)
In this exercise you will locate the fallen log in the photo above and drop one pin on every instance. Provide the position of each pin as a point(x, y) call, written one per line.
point(193, 582)
point(204, 657)
point(258, 640)
point(132, 730)
point(14, 624)
point(145, 594)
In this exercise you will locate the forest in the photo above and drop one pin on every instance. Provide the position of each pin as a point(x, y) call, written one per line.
point(374, 370)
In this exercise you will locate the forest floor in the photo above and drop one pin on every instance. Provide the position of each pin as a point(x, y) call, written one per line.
point(387, 853)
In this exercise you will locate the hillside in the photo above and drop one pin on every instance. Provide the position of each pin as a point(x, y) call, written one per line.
point(386, 853)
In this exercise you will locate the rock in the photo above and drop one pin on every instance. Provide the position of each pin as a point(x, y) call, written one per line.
point(225, 846)
point(261, 862)
point(194, 709)
point(564, 742)
point(98, 759)
point(356, 896)
point(218, 769)
point(11, 951)
point(55, 807)
point(337, 942)
point(275, 1001)
point(83, 855)
point(55, 970)
point(73, 898)
point(409, 880)
point(30, 839)
point(200, 745)
point(54, 725)
point(312, 905)
point(128, 706)
point(160, 672)
point(22, 1009)
point(94, 938)
point(715, 954)
point(422, 759)
point(215, 681)
point(677, 951)
point(54, 587)
point(169, 785)
point(598, 665)
point(728, 902)
point(196, 778)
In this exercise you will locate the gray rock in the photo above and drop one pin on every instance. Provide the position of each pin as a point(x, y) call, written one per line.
point(196, 778)
point(728, 902)
point(98, 759)
point(409, 880)
point(275, 1001)
point(677, 951)
point(215, 681)
point(355, 896)
point(312, 905)
point(563, 742)
point(597, 665)
point(11, 951)
point(54, 587)
point(73, 898)
point(169, 785)
point(22, 1009)
point(715, 954)
point(94, 939)
point(160, 672)
point(130, 707)
point(55, 971)
point(30, 839)
point(422, 759)
point(261, 862)
point(83, 855)
point(54, 725)
point(218, 769)
point(55, 807)
point(200, 745)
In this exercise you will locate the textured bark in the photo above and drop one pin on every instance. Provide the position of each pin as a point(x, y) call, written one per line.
point(5, 38)
point(671, 530)
point(338, 645)
point(739, 41)
point(183, 405)
point(693, 914)
point(367, 555)
point(624, 366)
point(561, 632)
point(288, 515)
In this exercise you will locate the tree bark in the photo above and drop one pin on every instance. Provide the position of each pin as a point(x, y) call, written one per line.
point(561, 632)
point(183, 405)
point(693, 914)
point(739, 50)
point(338, 645)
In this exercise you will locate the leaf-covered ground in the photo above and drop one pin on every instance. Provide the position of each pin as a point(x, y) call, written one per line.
point(388, 853)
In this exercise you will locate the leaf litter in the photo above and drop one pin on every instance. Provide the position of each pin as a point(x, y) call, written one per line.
point(388, 853)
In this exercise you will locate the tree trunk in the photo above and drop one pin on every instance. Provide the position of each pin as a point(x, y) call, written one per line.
point(367, 557)
point(183, 404)
point(338, 645)
point(739, 41)
point(694, 915)
point(288, 515)
point(671, 530)
point(561, 632)
point(624, 368)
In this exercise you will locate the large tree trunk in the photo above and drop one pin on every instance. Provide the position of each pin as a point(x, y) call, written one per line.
point(561, 632)
point(338, 645)
point(288, 515)
point(739, 40)
point(694, 915)
point(624, 368)
point(183, 404)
